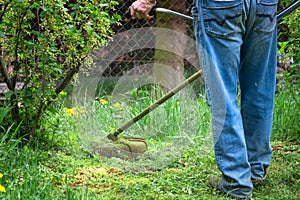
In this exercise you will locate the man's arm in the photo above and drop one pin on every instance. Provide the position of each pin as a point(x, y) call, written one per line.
point(140, 9)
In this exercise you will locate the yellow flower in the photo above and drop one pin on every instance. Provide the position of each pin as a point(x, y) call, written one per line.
point(66, 109)
point(2, 189)
point(116, 105)
point(103, 101)
point(69, 111)
point(75, 110)
point(111, 128)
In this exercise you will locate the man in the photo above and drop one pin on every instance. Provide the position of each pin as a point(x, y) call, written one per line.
point(236, 42)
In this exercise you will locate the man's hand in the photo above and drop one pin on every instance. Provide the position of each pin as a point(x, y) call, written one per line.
point(140, 9)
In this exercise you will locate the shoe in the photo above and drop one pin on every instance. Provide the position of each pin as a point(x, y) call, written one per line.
point(214, 182)
point(259, 182)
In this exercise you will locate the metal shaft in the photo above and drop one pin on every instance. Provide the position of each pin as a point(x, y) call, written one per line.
point(288, 10)
point(280, 15)
point(114, 136)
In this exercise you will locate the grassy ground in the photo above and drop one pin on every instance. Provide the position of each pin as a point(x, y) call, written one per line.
point(56, 166)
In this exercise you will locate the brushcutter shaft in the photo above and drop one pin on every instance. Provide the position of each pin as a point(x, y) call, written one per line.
point(280, 15)
point(114, 136)
point(288, 10)
point(171, 12)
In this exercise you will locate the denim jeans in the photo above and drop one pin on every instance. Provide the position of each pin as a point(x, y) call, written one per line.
point(236, 43)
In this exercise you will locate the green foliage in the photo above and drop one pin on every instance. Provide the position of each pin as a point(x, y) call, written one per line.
point(43, 44)
point(58, 130)
point(289, 37)
point(39, 171)
point(289, 86)
point(289, 46)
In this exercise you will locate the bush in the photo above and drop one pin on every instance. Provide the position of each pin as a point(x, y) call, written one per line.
point(43, 44)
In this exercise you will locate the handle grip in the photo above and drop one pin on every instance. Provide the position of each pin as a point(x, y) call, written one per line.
point(151, 13)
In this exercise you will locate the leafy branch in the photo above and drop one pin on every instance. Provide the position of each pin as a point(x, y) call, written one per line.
point(44, 46)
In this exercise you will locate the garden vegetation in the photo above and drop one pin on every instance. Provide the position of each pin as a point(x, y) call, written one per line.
point(43, 45)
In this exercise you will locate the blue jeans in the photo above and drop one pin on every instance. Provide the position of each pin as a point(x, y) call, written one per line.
point(236, 42)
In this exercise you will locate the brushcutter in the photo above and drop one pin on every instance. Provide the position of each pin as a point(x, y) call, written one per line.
point(139, 145)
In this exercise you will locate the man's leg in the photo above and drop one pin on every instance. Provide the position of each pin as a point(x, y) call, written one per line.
point(257, 81)
point(219, 31)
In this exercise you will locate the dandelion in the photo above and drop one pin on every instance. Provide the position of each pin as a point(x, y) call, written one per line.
point(2, 188)
point(69, 111)
point(75, 110)
point(103, 101)
point(111, 128)
point(116, 105)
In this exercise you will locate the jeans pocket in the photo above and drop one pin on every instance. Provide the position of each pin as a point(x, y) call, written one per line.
point(222, 17)
point(266, 16)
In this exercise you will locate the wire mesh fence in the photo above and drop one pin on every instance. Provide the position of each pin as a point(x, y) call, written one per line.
point(125, 54)
point(141, 56)
point(149, 55)
point(125, 60)
point(174, 48)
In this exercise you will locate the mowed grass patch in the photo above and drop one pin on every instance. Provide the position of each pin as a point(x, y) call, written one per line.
point(35, 174)
point(64, 169)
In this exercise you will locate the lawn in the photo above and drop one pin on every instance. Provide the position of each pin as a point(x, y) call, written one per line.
point(60, 163)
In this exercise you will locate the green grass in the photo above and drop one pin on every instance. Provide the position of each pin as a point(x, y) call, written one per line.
point(58, 166)
point(286, 117)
